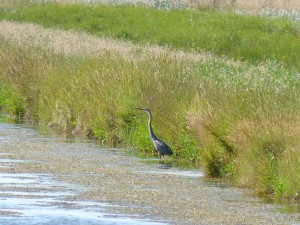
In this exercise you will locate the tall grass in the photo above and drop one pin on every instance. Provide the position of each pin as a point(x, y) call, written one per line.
point(248, 38)
point(235, 119)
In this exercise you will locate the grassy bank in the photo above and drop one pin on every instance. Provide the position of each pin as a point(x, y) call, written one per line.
point(235, 119)
point(248, 38)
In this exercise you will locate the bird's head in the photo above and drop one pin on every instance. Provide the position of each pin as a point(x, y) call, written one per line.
point(145, 110)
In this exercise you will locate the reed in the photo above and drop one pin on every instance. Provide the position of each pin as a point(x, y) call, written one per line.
point(236, 119)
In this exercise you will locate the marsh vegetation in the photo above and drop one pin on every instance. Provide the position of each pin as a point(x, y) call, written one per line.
point(225, 99)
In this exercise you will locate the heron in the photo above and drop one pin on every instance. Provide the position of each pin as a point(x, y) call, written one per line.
point(161, 147)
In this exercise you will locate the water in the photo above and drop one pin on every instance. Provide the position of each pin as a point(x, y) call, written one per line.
point(27, 198)
point(46, 203)
point(49, 198)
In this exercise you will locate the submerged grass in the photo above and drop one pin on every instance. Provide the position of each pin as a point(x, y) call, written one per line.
point(250, 38)
point(235, 119)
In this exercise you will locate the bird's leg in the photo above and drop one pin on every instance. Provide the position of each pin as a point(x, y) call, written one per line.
point(161, 158)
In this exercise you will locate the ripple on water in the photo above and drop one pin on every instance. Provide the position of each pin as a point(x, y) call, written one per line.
point(27, 198)
point(39, 199)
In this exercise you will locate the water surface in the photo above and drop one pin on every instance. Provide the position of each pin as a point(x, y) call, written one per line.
point(81, 182)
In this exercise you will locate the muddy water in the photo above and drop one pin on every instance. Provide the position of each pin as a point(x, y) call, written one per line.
point(42, 198)
point(46, 179)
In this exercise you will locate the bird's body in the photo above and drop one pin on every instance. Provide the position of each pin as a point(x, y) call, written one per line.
point(161, 147)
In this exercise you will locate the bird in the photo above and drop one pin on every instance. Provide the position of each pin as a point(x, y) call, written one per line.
point(161, 147)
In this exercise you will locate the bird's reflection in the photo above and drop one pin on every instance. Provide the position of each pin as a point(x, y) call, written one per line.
point(164, 165)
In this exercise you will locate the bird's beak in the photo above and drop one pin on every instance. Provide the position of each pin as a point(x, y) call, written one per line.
point(140, 108)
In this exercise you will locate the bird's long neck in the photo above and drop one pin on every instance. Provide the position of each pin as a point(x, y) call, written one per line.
point(152, 135)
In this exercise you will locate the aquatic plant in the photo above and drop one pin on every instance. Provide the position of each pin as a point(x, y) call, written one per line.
point(236, 119)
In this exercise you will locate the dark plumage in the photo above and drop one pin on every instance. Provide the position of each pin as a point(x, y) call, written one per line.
point(161, 147)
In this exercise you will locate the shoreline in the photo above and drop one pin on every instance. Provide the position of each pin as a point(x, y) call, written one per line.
point(110, 176)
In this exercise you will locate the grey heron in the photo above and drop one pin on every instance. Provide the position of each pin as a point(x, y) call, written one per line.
point(161, 147)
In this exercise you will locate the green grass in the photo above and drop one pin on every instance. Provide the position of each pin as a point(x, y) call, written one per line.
point(250, 38)
point(236, 120)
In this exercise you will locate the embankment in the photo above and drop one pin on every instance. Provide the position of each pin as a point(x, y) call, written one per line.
point(236, 119)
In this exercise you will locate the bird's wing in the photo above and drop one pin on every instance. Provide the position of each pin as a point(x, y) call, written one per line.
point(160, 143)
point(162, 147)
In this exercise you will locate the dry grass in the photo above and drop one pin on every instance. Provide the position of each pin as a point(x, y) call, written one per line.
point(289, 5)
point(243, 116)
point(81, 44)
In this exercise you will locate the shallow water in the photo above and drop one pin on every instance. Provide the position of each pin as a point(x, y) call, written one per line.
point(46, 203)
point(44, 198)
point(27, 198)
